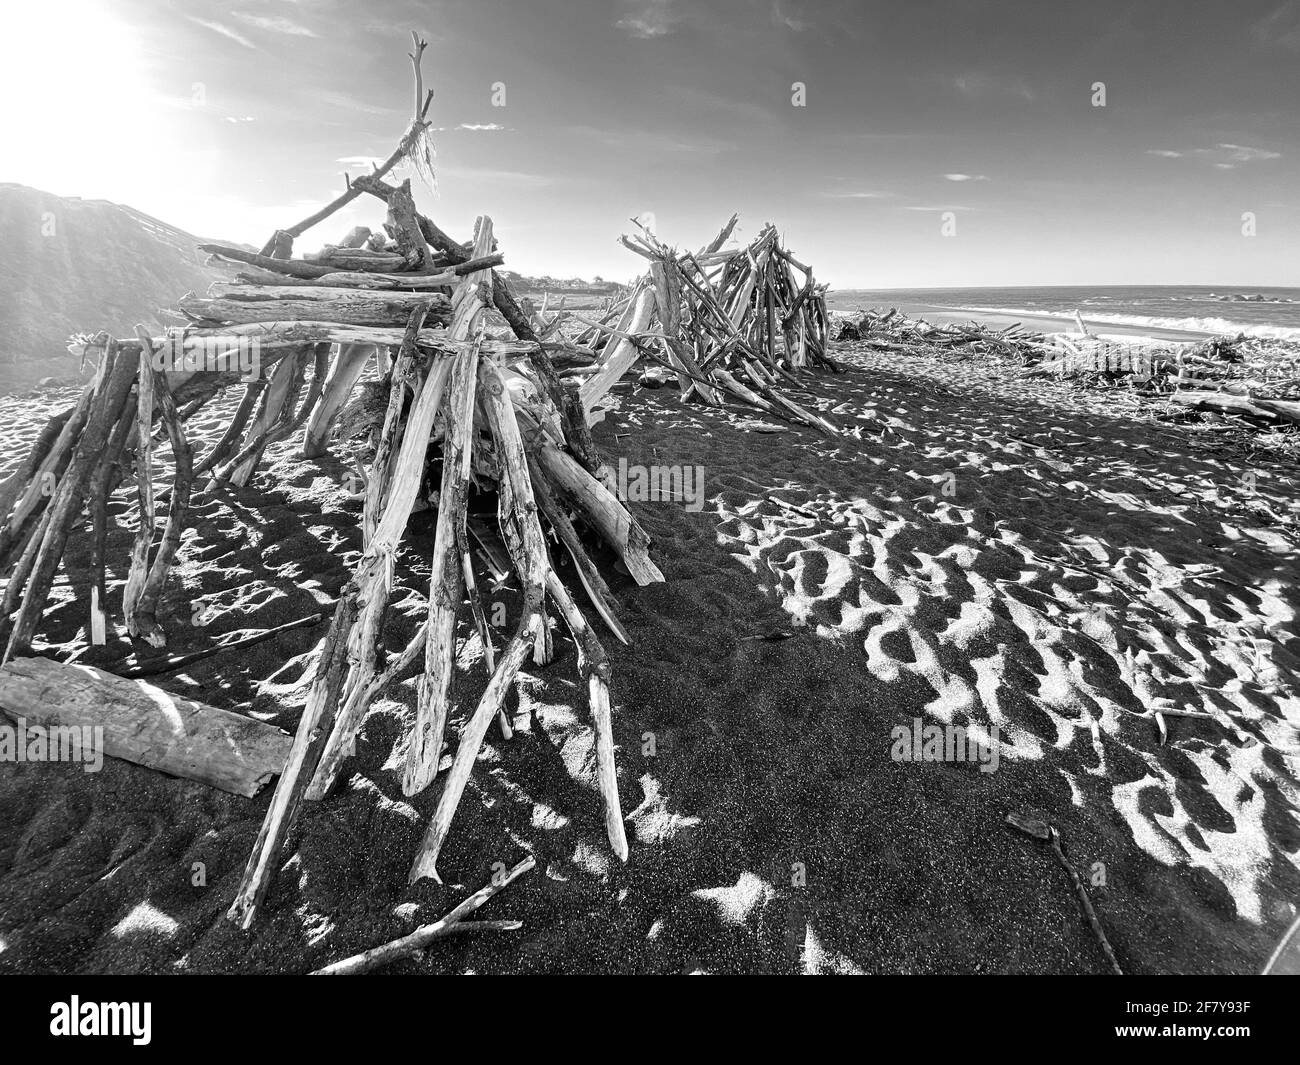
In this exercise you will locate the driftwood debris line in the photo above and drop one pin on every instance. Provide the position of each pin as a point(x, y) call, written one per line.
point(473, 380)
point(1255, 380)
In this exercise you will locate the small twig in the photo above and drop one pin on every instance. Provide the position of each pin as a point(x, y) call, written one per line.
point(1043, 831)
point(171, 662)
point(423, 936)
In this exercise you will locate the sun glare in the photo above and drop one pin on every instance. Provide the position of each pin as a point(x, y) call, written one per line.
point(74, 94)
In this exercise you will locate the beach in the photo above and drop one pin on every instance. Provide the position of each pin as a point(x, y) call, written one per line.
point(1022, 559)
point(1166, 313)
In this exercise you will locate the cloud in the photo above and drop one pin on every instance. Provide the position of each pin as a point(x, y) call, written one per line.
point(350, 103)
point(275, 24)
point(790, 20)
point(949, 207)
point(650, 142)
point(225, 31)
point(1241, 154)
point(979, 84)
point(1222, 156)
point(1280, 29)
point(648, 19)
point(965, 177)
point(490, 176)
point(858, 195)
point(484, 127)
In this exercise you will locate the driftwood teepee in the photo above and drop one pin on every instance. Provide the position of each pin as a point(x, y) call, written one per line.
point(508, 412)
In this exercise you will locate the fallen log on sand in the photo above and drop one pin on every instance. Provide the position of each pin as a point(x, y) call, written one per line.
point(146, 725)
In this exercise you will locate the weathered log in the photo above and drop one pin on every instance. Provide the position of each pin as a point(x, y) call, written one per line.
point(276, 401)
point(348, 367)
point(234, 431)
point(374, 573)
point(517, 516)
point(1252, 406)
point(343, 306)
point(588, 575)
point(471, 740)
point(16, 484)
point(597, 505)
point(146, 606)
point(102, 482)
point(447, 580)
point(617, 361)
point(33, 501)
point(116, 378)
point(139, 568)
point(446, 585)
point(593, 665)
point(145, 724)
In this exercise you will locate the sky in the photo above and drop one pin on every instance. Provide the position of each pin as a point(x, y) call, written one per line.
point(230, 118)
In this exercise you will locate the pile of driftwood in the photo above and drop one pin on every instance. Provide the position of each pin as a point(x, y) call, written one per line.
point(894, 331)
point(501, 413)
point(728, 325)
point(1254, 378)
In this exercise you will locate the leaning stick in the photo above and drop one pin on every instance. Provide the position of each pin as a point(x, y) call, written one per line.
point(445, 586)
point(588, 575)
point(233, 431)
point(22, 477)
point(471, 740)
point(446, 582)
point(594, 665)
point(517, 514)
point(171, 662)
point(308, 743)
point(17, 530)
point(115, 382)
point(146, 606)
point(422, 937)
point(101, 484)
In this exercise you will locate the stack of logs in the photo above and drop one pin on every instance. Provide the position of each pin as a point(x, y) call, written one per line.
point(732, 325)
point(509, 413)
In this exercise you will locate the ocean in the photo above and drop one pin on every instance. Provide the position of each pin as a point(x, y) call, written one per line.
point(1171, 311)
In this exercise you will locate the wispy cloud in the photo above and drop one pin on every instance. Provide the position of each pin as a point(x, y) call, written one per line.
point(484, 127)
point(274, 24)
point(651, 142)
point(341, 99)
point(857, 195)
point(980, 83)
point(1222, 156)
point(783, 15)
point(225, 31)
point(1280, 28)
point(965, 177)
point(647, 19)
point(491, 176)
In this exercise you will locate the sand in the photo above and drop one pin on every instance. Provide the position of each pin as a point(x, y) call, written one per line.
point(982, 551)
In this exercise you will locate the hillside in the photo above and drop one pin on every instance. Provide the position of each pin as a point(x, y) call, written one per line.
point(73, 265)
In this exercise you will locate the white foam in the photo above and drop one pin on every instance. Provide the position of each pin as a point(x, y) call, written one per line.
point(1211, 326)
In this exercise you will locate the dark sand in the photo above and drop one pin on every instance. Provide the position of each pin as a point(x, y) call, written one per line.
point(1073, 531)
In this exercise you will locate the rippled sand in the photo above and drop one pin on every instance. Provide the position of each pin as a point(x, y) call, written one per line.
point(981, 551)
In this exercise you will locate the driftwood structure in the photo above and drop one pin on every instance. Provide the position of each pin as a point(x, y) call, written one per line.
point(469, 375)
